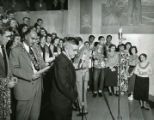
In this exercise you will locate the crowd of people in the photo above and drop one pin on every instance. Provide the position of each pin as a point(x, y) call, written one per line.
point(38, 69)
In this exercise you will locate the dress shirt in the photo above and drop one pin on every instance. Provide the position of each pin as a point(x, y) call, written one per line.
point(27, 49)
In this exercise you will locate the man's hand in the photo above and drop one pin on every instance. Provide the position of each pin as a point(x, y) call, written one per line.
point(36, 76)
point(13, 82)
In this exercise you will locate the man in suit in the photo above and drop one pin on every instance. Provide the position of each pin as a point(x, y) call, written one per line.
point(63, 90)
point(26, 63)
point(6, 79)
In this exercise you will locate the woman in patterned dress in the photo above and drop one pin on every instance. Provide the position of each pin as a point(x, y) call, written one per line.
point(123, 69)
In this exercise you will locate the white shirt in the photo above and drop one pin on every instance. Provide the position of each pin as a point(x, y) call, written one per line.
point(1, 52)
point(27, 49)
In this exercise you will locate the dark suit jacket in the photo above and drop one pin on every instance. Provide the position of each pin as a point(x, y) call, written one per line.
point(22, 69)
point(63, 91)
point(4, 72)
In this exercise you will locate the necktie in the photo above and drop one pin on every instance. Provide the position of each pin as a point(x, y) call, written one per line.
point(4, 58)
point(33, 59)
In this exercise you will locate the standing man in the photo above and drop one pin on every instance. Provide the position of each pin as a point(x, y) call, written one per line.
point(91, 40)
point(63, 91)
point(108, 44)
point(26, 21)
point(6, 80)
point(26, 64)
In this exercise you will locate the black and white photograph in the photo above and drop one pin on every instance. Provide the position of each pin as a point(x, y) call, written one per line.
point(76, 59)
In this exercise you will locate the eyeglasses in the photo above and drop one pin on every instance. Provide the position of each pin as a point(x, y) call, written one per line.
point(8, 36)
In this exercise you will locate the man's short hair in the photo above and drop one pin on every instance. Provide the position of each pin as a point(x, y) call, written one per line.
point(109, 36)
point(39, 19)
point(67, 44)
point(90, 36)
point(28, 32)
point(100, 37)
point(26, 18)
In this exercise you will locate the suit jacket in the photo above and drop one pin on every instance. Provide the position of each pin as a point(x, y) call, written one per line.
point(64, 90)
point(4, 72)
point(22, 69)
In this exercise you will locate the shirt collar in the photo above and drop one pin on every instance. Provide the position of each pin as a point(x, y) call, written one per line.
point(66, 54)
point(48, 44)
point(26, 47)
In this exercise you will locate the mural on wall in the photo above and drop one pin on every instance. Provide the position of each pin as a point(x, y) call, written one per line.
point(127, 12)
point(137, 16)
point(148, 12)
point(85, 16)
point(112, 11)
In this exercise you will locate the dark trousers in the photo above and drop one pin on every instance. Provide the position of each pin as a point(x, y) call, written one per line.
point(29, 109)
point(131, 80)
point(13, 105)
point(98, 79)
point(90, 82)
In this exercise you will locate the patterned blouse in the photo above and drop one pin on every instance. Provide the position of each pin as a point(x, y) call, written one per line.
point(133, 60)
point(112, 60)
point(143, 70)
point(98, 59)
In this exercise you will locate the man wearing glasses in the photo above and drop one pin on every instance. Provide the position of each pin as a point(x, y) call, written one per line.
point(26, 67)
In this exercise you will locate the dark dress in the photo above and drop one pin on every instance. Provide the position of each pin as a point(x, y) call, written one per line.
point(111, 77)
point(141, 89)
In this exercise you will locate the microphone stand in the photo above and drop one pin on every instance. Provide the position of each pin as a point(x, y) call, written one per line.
point(119, 117)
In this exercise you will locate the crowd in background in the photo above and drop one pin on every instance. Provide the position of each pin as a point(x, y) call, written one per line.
point(98, 63)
